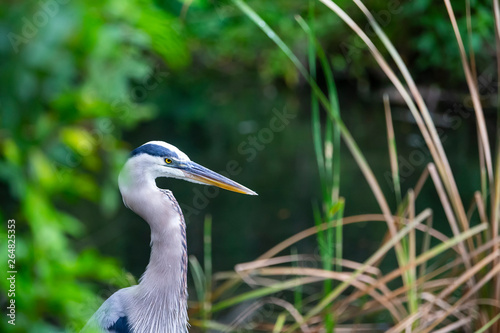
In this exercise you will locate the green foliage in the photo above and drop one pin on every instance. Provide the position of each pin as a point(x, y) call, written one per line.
point(223, 36)
point(69, 87)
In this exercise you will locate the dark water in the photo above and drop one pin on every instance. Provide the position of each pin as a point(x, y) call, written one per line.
point(273, 155)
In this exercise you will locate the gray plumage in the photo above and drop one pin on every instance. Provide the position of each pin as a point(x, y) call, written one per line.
point(158, 304)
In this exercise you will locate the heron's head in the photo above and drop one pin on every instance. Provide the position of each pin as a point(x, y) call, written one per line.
point(156, 159)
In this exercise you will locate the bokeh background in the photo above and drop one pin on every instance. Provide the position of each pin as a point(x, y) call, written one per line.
point(84, 82)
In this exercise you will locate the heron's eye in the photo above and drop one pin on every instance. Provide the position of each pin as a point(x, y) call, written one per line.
point(168, 161)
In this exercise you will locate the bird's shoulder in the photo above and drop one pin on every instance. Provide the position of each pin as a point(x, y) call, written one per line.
point(112, 315)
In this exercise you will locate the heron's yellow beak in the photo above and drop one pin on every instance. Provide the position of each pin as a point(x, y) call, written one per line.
point(200, 174)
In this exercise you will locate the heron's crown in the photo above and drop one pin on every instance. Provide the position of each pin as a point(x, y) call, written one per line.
point(160, 149)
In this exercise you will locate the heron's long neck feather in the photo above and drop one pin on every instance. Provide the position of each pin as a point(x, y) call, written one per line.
point(160, 299)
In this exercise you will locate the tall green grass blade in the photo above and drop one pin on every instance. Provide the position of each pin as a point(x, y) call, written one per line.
point(393, 153)
point(333, 134)
point(333, 137)
point(315, 117)
point(334, 141)
point(328, 147)
point(198, 278)
point(339, 241)
point(413, 296)
point(325, 251)
point(207, 257)
point(321, 236)
point(330, 179)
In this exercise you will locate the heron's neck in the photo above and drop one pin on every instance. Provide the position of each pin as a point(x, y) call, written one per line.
point(167, 266)
point(164, 280)
point(161, 296)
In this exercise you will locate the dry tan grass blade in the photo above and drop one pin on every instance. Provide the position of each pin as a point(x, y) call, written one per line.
point(474, 93)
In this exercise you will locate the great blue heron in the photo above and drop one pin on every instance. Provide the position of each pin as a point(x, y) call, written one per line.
point(158, 304)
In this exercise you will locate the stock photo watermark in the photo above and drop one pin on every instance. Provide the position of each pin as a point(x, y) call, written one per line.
point(11, 271)
point(31, 25)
